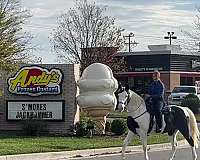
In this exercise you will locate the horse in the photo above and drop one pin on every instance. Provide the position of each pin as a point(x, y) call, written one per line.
point(175, 119)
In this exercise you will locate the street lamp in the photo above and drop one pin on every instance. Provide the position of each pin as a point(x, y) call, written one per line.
point(170, 37)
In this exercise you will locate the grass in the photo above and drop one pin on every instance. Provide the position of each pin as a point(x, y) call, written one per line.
point(19, 145)
point(197, 117)
point(117, 115)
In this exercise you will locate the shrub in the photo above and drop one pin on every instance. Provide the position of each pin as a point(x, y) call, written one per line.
point(33, 127)
point(191, 101)
point(81, 128)
point(84, 125)
point(90, 124)
point(108, 127)
point(118, 126)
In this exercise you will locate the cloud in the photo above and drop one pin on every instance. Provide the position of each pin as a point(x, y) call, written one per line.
point(180, 2)
point(152, 14)
point(149, 20)
point(42, 13)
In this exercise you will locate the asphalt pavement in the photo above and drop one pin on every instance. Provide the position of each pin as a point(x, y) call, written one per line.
point(181, 154)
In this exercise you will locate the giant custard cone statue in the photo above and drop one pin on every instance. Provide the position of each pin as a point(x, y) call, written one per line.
point(97, 86)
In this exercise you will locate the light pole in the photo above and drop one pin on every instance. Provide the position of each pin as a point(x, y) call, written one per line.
point(170, 37)
point(130, 42)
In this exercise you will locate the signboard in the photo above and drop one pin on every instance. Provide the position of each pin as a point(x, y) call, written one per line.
point(146, 69)
point(195, 64)
point(45, 110)
point(35, 81)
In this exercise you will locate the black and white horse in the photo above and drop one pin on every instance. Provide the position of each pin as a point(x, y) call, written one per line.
point(175, 119)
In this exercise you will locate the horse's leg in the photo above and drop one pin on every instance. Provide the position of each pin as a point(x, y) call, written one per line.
point(174, 144)
point(194, 153)
point(143, 137)
point(126, 142)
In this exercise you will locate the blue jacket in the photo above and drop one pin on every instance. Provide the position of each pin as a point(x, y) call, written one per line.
point(156, 89)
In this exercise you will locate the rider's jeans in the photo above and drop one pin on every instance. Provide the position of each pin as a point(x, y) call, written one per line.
point(157, 106)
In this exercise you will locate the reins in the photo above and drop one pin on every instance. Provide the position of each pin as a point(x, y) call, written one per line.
point(128, 100)
point(140, 115)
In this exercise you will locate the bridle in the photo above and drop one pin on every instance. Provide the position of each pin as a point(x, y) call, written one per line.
point(126, 102)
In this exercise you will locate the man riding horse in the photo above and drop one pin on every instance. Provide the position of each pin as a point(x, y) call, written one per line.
point(156, 92)
point(175, 118)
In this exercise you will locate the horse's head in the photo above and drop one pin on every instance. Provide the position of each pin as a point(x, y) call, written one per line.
point(123, 98)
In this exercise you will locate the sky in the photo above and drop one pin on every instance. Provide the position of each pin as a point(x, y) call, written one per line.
point(149, 20)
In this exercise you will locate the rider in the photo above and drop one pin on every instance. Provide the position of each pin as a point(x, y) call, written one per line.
point(156, 91)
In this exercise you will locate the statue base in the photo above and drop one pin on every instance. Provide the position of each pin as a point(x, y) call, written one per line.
point(98, 115)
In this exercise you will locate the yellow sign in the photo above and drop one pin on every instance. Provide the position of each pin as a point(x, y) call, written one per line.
point(35, 81)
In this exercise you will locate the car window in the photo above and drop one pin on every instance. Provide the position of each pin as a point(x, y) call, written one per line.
point(198, 90)
point(184, 90)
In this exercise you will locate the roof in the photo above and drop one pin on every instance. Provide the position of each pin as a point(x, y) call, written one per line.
point(124, 54)
point(161, 50)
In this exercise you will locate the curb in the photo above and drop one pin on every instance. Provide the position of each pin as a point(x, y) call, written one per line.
point(78, 154)
point(129, 149)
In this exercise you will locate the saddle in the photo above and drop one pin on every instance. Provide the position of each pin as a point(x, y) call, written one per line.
point(166, 111)
point(169, 118)
point(149, 105)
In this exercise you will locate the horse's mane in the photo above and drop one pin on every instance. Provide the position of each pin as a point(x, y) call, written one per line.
point(135, 98)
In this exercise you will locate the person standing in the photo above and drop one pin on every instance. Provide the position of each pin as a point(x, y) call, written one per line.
point(156, 92)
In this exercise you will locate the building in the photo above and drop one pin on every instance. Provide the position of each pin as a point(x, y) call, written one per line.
point(177, 67)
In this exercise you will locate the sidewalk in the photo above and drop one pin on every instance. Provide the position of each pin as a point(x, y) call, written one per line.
point(65, 155)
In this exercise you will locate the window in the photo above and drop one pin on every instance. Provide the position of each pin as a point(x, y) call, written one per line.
point(198, 90)
point(184, 90)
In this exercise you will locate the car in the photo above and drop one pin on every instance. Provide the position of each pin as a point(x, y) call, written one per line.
point(179, 92)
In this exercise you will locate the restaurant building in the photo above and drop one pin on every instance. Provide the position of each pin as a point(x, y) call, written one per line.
point(176, 66)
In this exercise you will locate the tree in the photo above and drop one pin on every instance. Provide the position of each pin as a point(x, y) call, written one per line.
point(105, 55)
point(192, 41)
point(84, 26)
point(14, 43)
point(192, 102)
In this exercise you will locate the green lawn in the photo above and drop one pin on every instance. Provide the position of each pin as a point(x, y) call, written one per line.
point(197, 117)
point(18, 145)
point(117, 115)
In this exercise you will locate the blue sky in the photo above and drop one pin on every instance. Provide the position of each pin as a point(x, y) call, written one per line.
point(149, 20)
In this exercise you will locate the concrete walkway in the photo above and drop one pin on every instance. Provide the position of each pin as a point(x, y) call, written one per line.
point(65, 155)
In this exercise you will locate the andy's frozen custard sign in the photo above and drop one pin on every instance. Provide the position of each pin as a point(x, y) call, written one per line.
point(35, 81)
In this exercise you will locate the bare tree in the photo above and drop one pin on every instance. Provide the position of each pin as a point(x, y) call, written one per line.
point(192, 41)
point(84, 26)
point(14, 43)
point(106, 55)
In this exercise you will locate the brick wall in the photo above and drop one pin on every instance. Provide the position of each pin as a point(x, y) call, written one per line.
point(170, 79)
point(174, 80)
point(69, 93)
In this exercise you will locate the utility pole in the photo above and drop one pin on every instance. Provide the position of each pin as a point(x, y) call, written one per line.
point(130, 42)
point(170, 37)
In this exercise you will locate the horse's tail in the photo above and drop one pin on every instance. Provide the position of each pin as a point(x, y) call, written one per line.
point(194, 127)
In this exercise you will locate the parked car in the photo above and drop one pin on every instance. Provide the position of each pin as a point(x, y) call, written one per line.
point(179, 92)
